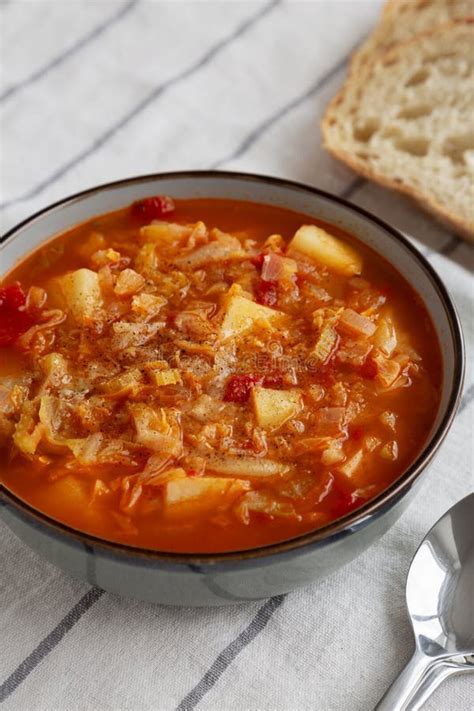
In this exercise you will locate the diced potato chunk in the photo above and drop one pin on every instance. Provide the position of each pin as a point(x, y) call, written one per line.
point(79, 292)
point(164, 232)
point(371, 443)
point(72, 495)
point(326, 249)
point(390, 451)
point(389, 419)
point(69, 492)
point(332, 455)
point(247, 467)
point(350, 467)
point(198, 495)
point(274, 407)
point(241, 315)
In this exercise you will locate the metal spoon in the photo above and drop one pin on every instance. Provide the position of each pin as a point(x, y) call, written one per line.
point(440, 601)
point(437, 673)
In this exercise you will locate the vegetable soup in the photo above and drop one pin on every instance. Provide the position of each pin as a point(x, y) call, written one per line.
point(209, 375)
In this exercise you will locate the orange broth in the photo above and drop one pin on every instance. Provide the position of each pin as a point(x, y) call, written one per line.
point(213, 442)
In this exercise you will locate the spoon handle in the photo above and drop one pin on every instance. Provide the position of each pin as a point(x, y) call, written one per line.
point(399, 695)
point(433, 678)
point(417, 681)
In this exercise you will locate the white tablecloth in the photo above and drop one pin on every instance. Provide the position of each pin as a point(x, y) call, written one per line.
point(94, 91)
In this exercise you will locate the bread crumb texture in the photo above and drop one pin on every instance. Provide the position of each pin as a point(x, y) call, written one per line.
point(406, 119)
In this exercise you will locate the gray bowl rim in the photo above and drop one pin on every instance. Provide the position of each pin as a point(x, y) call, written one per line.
point(332, 532)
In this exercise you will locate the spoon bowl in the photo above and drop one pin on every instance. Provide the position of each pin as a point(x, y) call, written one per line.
point(440, 602)
point(440, 585)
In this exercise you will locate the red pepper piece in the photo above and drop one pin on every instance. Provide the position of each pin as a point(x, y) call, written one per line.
point(266, 292)
point(193, 472)
point(14, 320)
point(239, 387)
point(153, 208)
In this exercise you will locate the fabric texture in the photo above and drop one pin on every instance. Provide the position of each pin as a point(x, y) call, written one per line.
point(99, 90)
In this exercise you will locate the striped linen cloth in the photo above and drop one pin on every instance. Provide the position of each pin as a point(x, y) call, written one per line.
point(94, 91)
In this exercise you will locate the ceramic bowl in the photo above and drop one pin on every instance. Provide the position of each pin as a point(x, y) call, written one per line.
point(182, 579)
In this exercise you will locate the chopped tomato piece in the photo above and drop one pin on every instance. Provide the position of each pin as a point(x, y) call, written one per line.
point(257, 261)
point(14, 319)
point(272, 380)
point(266, 292)
point(153, 208)
point(239, 387)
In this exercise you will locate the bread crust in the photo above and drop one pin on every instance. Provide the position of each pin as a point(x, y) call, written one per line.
point(393, 15)
point(425, 200)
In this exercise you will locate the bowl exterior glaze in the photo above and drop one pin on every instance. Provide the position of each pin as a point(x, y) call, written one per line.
point(204, 583)
point(198, 580)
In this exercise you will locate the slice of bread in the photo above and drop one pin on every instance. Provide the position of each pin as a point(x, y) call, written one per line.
point(402, 19)
point(408, 122)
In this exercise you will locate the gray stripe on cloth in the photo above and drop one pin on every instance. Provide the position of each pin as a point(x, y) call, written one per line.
point(450, 246)
point(353, 186)
point(67, 53)
point(49, 642)
point(264, 614)
point(257, 132)
point(229, 653)
point(154, 94)
point(446, 249)
point(467, 399)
